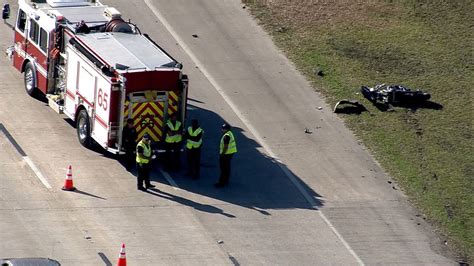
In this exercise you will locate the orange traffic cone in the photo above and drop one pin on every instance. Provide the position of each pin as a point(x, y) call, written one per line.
point(68, 182)
point(122, 261)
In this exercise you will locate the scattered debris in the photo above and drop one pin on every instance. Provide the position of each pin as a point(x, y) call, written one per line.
point(449, 211)
point(318, 71)
point(307, 131)
point(86, 235)
point(349, 107)
point(244, 6)
point(195, 36)
point(220, 242)
point(394, 188)
point(320, 108)
point(390, 182)
point(418, 223)
point(281, 29)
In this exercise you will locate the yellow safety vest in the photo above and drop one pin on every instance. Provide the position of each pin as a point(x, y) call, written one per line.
point(174, 128)
point(190, 144)
point(232, 146)
point(145, 158)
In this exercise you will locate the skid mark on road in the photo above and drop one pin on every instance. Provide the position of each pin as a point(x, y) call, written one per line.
point(250, 127)
point(25, 157)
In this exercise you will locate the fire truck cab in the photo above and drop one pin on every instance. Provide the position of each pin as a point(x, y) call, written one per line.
point(97, 69)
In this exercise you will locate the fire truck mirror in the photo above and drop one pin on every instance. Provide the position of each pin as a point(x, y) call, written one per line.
point(6, 11)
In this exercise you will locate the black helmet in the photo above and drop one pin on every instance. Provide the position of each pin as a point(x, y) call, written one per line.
point(146, 136)
point(225, 126)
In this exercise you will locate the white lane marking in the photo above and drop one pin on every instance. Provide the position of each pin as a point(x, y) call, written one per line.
point(37, 172)
point(344, 242)
point(252, 130)
point(169, 179)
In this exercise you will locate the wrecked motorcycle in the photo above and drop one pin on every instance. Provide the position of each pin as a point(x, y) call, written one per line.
point(394, 95)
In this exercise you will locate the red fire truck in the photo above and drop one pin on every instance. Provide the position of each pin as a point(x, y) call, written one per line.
point(97, 69)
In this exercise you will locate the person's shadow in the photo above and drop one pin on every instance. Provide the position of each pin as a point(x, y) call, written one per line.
point(190, 203)
point(258, 181)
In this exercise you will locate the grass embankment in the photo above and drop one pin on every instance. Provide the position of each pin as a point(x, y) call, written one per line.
point(419, 44)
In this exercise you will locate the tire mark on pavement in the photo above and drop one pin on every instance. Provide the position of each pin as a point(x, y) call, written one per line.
point(25, 157)
point(12, 140)
point(104, 259)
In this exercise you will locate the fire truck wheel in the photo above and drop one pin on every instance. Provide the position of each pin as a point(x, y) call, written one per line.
point(83, 129)
point(30, 79)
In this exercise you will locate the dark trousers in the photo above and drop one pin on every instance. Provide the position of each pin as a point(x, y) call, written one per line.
point(194, 161)
point(143, 175)
point(172, 155)
point(129, 158)
point(224, 164)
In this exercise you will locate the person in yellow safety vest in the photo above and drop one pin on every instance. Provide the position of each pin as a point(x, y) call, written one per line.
point(194, 136)
point(173, 140)
point(227, 149)
point(144, 156)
